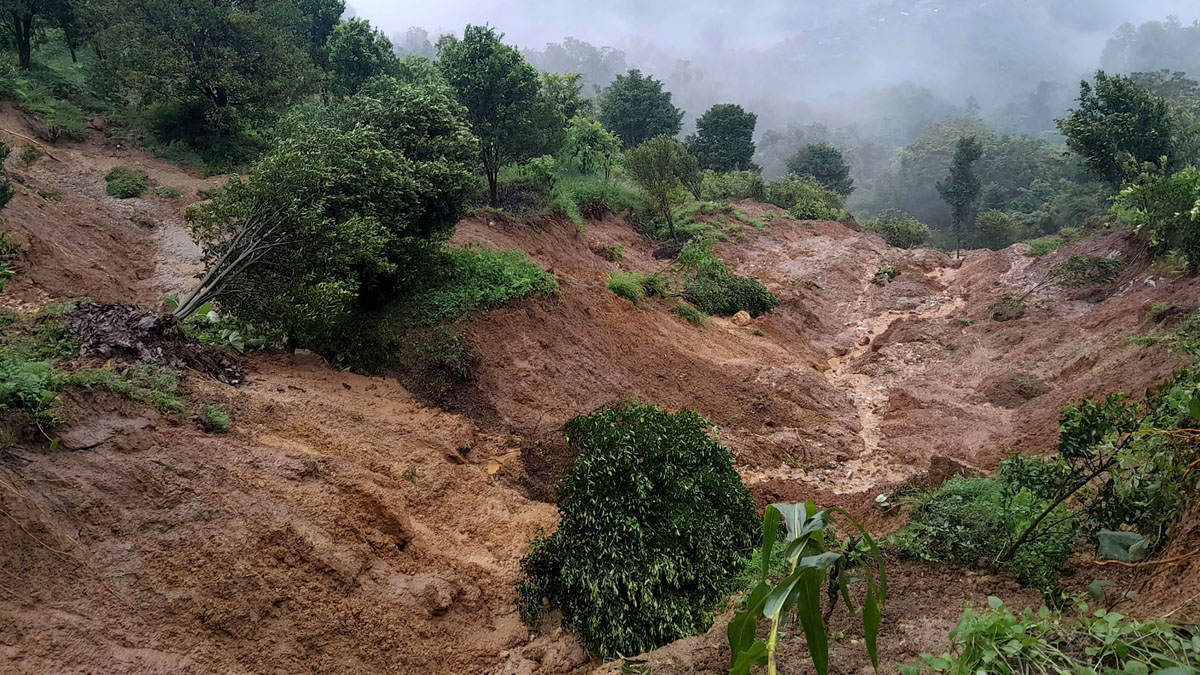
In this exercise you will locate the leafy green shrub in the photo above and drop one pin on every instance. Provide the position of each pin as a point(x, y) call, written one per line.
point(168, 192)
point(1157, 309)
point(732, 185)
point(655, 524)
point(899, 229)
point(614, 252)
point(28, 386)
point(998, 230)
point(216, 419)
point(1100, 641)
point(473, 278)
point(637, 286)
point(582, 196)
point(723, 293)
point(1087, 270)
point(806, 195)
point(885, 275)
point(30, 153)
point(124, 183)
point(690, 314)
point(971, 521)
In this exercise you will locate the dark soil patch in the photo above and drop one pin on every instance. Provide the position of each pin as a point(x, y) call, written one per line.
point(1015, 392)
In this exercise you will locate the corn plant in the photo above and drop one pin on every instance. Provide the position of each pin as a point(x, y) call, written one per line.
point(810, 567)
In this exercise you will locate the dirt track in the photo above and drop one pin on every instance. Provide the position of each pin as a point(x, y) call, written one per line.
point(345, 527)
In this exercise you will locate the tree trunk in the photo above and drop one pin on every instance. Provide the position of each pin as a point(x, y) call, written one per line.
point(493, 191)
point(71, 46)
point(24, 37)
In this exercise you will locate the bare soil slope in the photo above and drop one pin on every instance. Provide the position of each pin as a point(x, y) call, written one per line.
point(344, 527)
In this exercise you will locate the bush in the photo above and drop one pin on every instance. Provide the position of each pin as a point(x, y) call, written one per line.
point(723, 293)
point(583, 197)
point(732, 185)
point(655, 524)
point(690, 314)
point(1044, 245)
point(30, 153)
point(28, 387)
point(806, 195)
point(126, 183)
point(8, 253)
point(1087, 270)
point(899, 229)
point(637, 286)
point(885, 275)
point(970, 521)
point(998, 230)
point(168, 193)
point(457, 282)
point(216, 419)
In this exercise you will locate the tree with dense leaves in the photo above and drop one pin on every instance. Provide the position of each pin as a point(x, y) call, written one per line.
point(322, 16)
point(961, 189)
point(356, 52)
point(724, 138)
point(330, 218)
point(825, 163)
point(501, 93)
point(221, 63)
point(565, 93)
point(23, 18)
point(636, 109)
point(590, 146)
point(1118, 126)
point(659, 166)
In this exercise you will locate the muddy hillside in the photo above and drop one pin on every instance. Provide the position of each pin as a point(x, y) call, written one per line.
point(345, 526)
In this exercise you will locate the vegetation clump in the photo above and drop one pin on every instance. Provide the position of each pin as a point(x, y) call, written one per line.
point(637, 286)
point(885, 275)
point(899, 229)
point(8, 254)
point(690, 314)
point(125, 183)
point(655, 525)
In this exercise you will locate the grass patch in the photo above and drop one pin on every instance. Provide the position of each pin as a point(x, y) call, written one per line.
point(590, 197)
point(125, 183)
point(475, 278)
point(690, 314)
point(637, 286)
point(8, 254)
point(168, 192)
point(215, 419)
point(157, 385)
point(1044, 245)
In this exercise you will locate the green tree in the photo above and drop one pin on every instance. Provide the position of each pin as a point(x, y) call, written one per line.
point(22, 19)
point(1163, 207)
point(334, 215)
point(659, 166)
point(565, 94)
point(1118, 124)
point(322, 16)
point(899, 229)
point(356, 52)
point(501, 94)
point(590, 146)
point(961, 188)
point(825, 163)
point(218, 64)
point(724, 138)
point(998, 229)
point(636, 109)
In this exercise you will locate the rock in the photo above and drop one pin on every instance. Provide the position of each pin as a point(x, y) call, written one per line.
point(742, 318)
point(866, 340)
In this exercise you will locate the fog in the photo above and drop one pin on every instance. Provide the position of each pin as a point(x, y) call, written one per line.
point(882, 69)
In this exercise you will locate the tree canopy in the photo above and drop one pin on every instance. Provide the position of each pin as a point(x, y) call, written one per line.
point(825, 163)
point(659, 166)
point(356, 52)
point(724, 138)
point(636, 109)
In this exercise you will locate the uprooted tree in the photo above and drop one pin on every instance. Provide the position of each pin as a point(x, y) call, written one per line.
point(333, 216)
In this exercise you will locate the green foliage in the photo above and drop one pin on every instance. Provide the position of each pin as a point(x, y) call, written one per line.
point(1118, 123)
point(998, 230)
point(971, 521)
point(460, 281)
point(331, 219)
point(811, 565)
point(1157, 309)
point(636, 109)
point(168, 192)
point(732, 185)
point(961, 188)
point(637, 286)
point(28, 387)
point(716, 290)
point(724, 138)
point(591, 147)
point(885, 275)
point(658, 167)
point(157, 385)
point(500, 92)
point(1087, 270)
point(655, 523)
point(826, 164)
point(1043, 245)
point(125, 183)
point(805, 198)
point(30, 153)
point(216, 419)
point(690, 314)
point(1163, 208)
point(579, 196)
point(356, 52)
point(899, 229)
point(614, 252)
point(1001, 642)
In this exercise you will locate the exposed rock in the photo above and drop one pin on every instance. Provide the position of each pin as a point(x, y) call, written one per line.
point(742, 318)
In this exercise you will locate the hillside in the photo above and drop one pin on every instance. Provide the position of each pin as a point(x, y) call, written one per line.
point(344, 525)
